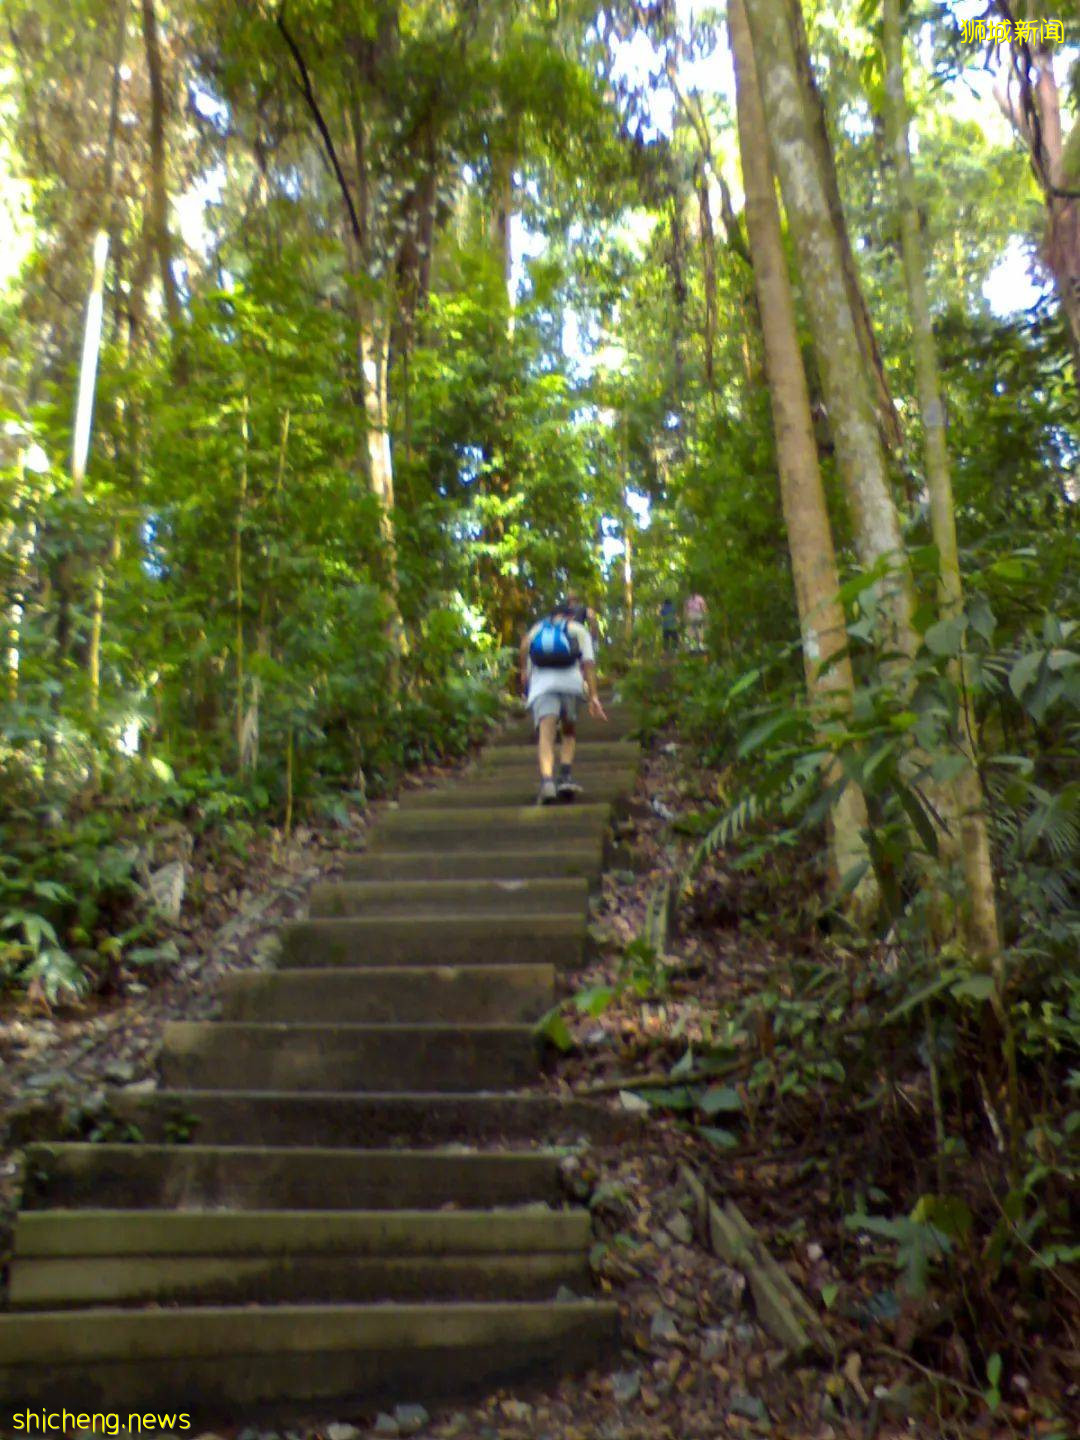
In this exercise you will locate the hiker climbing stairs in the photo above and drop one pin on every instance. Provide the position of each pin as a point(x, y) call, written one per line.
point(344, 1190)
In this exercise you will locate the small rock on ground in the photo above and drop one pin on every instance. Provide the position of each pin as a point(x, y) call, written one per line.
point(410, 1418)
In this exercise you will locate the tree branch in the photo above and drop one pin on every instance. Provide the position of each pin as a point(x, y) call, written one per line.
point(316, 114)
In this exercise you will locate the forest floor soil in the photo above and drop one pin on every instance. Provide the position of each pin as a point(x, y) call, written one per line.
point(695, 1363)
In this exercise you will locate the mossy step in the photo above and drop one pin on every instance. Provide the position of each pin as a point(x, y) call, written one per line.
point(562, 820)
point(70, 1258)
point(291, 1279)
point(568, 896)
point(355, 1121)
point(61, 1234)
point(477, 994)
point(433, 940)
point(457, 828)
point(590, 753)
point(619, 726)
point(257, 1177)
point(584, 858)
point(207, 1360)
point(517, 788)
point(220, 1055)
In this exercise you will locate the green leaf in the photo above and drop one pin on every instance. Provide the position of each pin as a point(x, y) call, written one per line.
point(684, 1065)
point(829, 1294)
point(919, 817)
point(946, 638)
point(595, 1000)
point(1024, 672)
point(722, 1139)
point(553, 1027)
point(976, 987)
point(721, 1099)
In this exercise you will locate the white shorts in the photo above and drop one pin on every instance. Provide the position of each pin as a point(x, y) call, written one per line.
point(555, 702)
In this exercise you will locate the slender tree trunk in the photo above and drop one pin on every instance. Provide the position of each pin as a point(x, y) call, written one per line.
point(628, 538)
point(849, 395)
point(829, 679)
point(502, 212)
point(373, 355)
point(97, 620)
point(707, 238)
point(818, 128)
point(1033, 108)
point(238, 588)
point(159, 195)
point(84, 411)
point(21, 540)
point(981, 925)
point(374, 344)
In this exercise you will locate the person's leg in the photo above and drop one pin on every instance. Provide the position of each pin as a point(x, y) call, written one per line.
point(545, 736)
point(567, 788)
point(569, 734)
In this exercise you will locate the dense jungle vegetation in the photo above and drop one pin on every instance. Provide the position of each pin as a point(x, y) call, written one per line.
point(339, 338)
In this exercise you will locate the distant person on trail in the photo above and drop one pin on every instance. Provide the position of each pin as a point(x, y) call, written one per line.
point(669, 625)
point(574, 608)
point(558, 670)
point(694, 612)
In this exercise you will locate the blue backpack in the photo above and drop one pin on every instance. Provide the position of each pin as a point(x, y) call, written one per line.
point(553, 647)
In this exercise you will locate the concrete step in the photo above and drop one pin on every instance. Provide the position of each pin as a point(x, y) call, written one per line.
point(68, 1258)
point(619, 726)
point(514, 787)
point(482, 827)
point(61, 1234)
point(584, 858)
point(433, 940)
point(254, 1177)
point(496, 898)
point(476, 994)
point(599, 753)
point(218, 1055)
point(377, 1120)
point(290, 1280)
point(207, 1360)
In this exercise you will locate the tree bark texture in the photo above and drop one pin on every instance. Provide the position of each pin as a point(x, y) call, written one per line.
point(888, 421)
point(159, 194)
point(981, 925)
point(846, 383)
point(829, 679)
point(1027, 93)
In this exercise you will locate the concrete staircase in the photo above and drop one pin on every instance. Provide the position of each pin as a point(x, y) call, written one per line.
point(343, 1191)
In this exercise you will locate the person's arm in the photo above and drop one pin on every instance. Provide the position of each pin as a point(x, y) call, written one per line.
point(588, 670)
point(523, 664)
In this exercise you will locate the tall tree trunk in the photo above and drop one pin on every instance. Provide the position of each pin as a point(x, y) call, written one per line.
point(373, 355)
point(502, 212)
point(1033, 108)
point(97, 618)
point(888, 421)
point(829, 679)
point(628, 537)
point(846, 383)
point(84, 410)
point(242, 747)
point(981, 924)
point(708, 272)
point(159, 195)
point(374, 346)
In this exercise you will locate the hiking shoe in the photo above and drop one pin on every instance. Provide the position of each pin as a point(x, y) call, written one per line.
point(548, 794)
point(567, 787)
